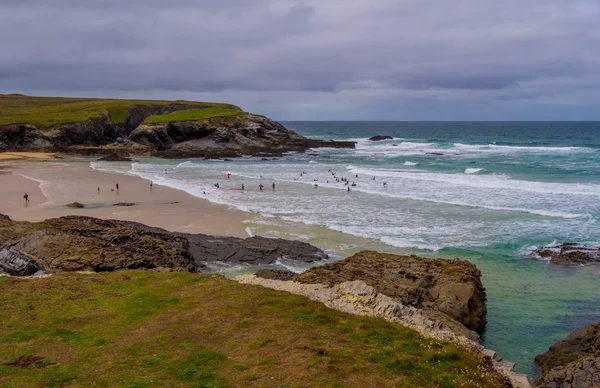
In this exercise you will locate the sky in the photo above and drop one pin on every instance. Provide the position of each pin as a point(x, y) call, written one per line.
point(315, 59)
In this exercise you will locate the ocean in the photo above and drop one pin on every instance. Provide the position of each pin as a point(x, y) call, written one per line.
point(488, 192)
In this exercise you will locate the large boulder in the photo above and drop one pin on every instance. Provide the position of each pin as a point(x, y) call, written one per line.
point(569, 254)
point(452, 287)
point(76, 243)
point(573, 362)
point(15, 263)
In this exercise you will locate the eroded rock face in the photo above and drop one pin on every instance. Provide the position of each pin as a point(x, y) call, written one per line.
point(573, 362)
point(451, 287)
point(570, 254)
point(275, 274)
point(76, 243)
point(219, 137)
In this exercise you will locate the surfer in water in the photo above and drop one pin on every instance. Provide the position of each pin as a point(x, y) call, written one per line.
point(242, 187)
point(260, 187)
point(273, 186)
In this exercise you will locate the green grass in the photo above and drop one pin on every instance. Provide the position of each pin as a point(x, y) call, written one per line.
point(194, 114)
point(145, 329)
point(45, 112)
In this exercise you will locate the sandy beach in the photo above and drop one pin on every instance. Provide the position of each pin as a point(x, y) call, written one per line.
point(53, 184)
point(6, 156)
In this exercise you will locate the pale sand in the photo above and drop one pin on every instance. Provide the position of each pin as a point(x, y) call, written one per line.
point(63, 183)
point(4, 156)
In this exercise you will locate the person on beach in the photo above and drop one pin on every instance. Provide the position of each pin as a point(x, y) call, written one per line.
point(98, 189)
point(150, 185)
point(26, 197)
point(273, 186)
point(117, 186)
point(228, 175)
point(242, 187)
point(348, 188)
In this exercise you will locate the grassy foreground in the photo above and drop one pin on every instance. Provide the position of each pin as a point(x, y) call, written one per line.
point(145, 329)
point(45, 112)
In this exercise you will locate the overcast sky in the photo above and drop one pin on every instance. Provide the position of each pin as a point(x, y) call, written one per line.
point(315, 59)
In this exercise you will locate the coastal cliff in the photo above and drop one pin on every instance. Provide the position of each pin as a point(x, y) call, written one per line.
point(173, 129)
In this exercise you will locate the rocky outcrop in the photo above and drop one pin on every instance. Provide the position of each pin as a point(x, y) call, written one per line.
point(230, 136)
point(569, 254)
point(254, 250)
point(573, 362)
point(380, 138)
point(76, 243)
point(114, 158)
point(356, 297)
point(452, 287)
point(15, 263)
point(217, 137)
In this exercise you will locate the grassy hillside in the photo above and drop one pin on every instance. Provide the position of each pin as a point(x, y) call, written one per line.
point(47, 111)
point(194, 114)
point(143, 329)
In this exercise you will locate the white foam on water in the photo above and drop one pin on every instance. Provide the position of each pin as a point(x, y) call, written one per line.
point(472, 170)
point(407, 163)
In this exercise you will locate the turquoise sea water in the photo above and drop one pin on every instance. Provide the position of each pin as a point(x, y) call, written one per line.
point(486, 192)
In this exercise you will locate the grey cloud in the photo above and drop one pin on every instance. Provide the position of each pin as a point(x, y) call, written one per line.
point(398, 53)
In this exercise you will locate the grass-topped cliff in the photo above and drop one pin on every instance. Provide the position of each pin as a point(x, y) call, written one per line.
point(145, 329)
point(44, 112)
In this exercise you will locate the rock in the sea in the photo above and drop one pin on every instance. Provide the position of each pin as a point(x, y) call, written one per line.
point(275, 274)
point(570, 254)
point(76, 243)
point(75, 205)
point(124, 204)
point(573, 362)
point(452, 287)
point(4, 217)
point(380, 138)
point(15, 263)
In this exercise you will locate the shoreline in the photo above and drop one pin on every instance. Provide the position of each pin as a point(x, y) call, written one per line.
point(51, 186)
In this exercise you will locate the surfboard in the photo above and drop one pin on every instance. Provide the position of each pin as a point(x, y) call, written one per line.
point(236, 188)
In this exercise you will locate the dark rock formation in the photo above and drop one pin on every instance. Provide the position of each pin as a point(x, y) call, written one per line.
point(573, 362)
point(124, 204)
point(76, 205)
point(218, 137)
point(569, 254)
point(114, 158)
point(225, 137)
point(76, 243)
point(15, 263)
point(253, 250)
point(380, 138)
point(452, 287)
point(275, 274)
point(4, 217)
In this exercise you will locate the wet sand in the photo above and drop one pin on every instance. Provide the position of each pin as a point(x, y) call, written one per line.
point(52, 184)
point(4, 156)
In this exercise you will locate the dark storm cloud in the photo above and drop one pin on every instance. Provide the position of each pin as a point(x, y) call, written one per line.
point(290, 58)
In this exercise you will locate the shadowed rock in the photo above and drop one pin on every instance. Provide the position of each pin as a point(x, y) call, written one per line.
point(573, 362)
point(15, 263)
point(452, 287)
point(114, 158)
point(127, 204)
point(380, 138)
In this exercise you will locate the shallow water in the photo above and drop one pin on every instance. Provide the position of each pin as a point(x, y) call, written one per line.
point(486, 192)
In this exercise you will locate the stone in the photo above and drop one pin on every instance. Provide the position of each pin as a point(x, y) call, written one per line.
point(75, 205)
point(124, 204)
point(380, 138)
point(569, 254)
point(275, 274)
point(573, 362)
point(114, 158)
point(15, 263)
point(4, 217)
point(452, 287)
